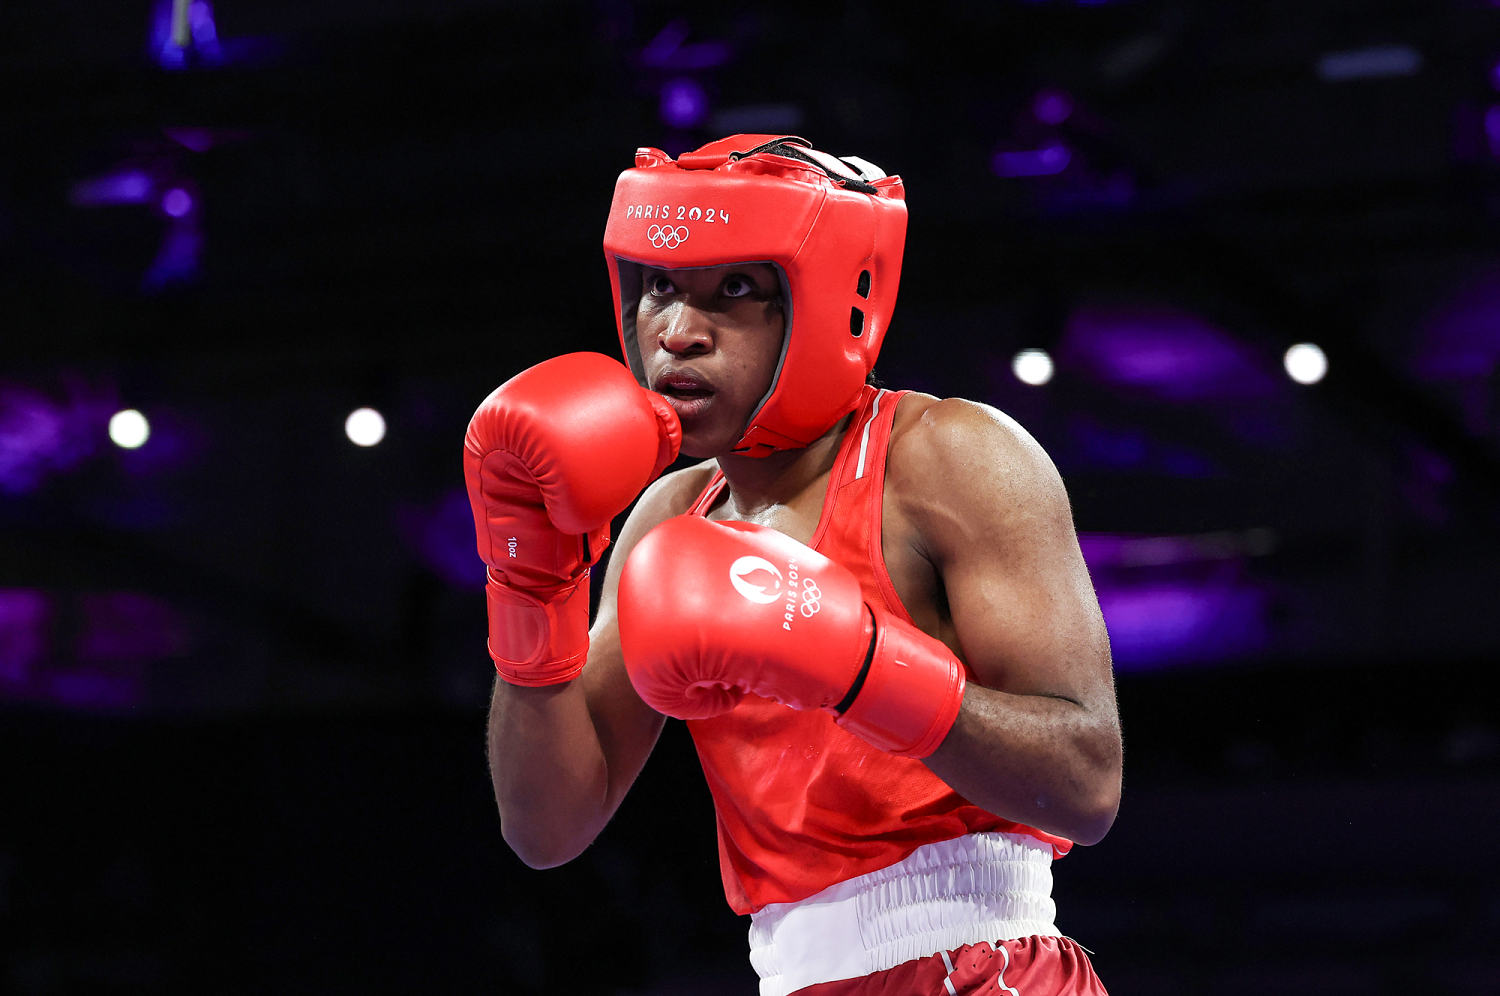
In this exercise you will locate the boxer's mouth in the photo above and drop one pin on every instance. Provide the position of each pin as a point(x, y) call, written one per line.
point(682, 385)
point(688, 394)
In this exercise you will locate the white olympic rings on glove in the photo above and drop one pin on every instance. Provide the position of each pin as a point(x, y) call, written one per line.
point(812, 598)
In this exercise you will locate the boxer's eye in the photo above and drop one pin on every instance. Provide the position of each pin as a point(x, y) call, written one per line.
point(742, 285)
point(738, 286)
point(657, 285)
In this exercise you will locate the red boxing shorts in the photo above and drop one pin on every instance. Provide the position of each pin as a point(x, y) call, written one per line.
point(1029, 966)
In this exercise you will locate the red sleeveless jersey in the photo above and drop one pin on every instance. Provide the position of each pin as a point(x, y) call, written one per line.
point(801, 803)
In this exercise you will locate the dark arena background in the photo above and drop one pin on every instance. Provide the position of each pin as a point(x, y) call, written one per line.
point(1236, 267)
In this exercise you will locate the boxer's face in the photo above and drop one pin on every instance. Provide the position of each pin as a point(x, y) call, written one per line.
point(710, 339)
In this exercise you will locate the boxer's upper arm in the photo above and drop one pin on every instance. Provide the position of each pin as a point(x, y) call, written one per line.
point(993, 517)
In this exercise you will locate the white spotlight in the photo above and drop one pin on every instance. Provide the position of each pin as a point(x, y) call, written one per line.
point(128, 429)
point(364, 427)
point(1305, 363)
point(1032, 366)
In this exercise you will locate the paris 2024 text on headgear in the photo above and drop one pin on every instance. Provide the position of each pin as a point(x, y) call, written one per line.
point(834, 228)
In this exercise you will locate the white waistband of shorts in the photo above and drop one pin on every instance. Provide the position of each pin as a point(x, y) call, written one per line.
point(980, 887)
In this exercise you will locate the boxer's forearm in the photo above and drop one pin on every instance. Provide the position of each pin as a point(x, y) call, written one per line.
point(1047, 762)
point(548, 771)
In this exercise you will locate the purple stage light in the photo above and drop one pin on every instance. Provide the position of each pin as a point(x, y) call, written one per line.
point(684, 104)
point(202, 35)
point(177, 257)
point(1492, 130)
point(1172, 354)
point(177, 202)
point(1163, 624)
point(40, 436)
point(1052, 107)
point(1046, 161)
point(32, 433)
point(1181, 599)
point(130, 186)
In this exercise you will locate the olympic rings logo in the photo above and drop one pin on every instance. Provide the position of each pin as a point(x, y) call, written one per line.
point(812, 598)
point(667, 236)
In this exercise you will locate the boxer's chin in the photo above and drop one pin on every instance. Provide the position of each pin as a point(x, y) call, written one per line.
point(699, 446)
point(706, 445)
point(704, 432)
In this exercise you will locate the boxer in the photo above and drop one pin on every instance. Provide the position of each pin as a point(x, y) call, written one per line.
point(869, 606)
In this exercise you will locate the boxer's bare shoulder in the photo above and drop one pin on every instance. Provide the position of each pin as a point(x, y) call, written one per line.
point(975, 507)
point(954, 456)
point(671, 494)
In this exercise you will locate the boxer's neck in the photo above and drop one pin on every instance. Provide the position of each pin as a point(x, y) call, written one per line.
point(758, 483)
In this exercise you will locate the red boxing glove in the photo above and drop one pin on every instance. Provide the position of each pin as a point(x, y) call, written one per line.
point(712, 610)
point(550, 458)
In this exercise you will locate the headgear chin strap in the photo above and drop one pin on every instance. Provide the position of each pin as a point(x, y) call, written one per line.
point(835, 228)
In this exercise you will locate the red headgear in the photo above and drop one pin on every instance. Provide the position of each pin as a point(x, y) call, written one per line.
point(834, 228)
